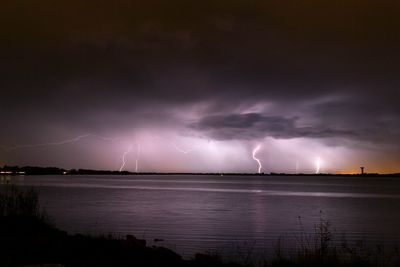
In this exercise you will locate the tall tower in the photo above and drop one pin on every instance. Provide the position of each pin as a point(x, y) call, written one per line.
point(362, 170)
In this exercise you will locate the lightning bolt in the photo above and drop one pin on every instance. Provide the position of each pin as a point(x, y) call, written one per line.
point(137, 157)
point(139, 148)
point(123, 157)
point(176, 147)
point(317, 165)
point(255, 150)
point(170, 143)
point(63, 142)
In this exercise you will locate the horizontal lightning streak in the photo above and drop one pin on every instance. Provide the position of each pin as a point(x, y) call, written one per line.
point(63, 142)
point(176, 147)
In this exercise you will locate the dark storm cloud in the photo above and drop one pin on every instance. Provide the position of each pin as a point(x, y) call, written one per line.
point(97, 65)
point(375, 120)
point(257, 126)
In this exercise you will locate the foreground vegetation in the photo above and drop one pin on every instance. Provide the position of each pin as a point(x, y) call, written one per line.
point(28, 238)
point(320, 249)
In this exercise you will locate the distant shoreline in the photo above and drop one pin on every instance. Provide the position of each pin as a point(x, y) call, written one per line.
point(30, 170)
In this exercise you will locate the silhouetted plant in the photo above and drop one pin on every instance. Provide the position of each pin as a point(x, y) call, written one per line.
point(17, 202)
point(321, 248)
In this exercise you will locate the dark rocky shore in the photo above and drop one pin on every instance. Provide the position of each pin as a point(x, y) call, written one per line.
point(27, 238)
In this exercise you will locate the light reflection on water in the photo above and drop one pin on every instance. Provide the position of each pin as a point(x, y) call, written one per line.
point(198, 213)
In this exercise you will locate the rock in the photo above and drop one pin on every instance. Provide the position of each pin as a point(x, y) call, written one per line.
point(133, 241)
point(167, 254)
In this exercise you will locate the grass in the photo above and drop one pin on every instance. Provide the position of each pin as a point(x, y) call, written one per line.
point(15, 202)
point(322, 248)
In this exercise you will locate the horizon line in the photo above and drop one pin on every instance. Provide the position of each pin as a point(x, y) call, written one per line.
point(11, 170)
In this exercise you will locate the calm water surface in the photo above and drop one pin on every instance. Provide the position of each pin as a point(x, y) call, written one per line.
point(205, 213)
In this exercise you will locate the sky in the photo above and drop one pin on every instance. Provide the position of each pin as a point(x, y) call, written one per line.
point(197, 86)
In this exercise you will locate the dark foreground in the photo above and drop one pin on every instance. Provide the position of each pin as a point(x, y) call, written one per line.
point(28, 239)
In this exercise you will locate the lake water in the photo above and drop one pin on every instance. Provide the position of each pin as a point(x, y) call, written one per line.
point(222, 213)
